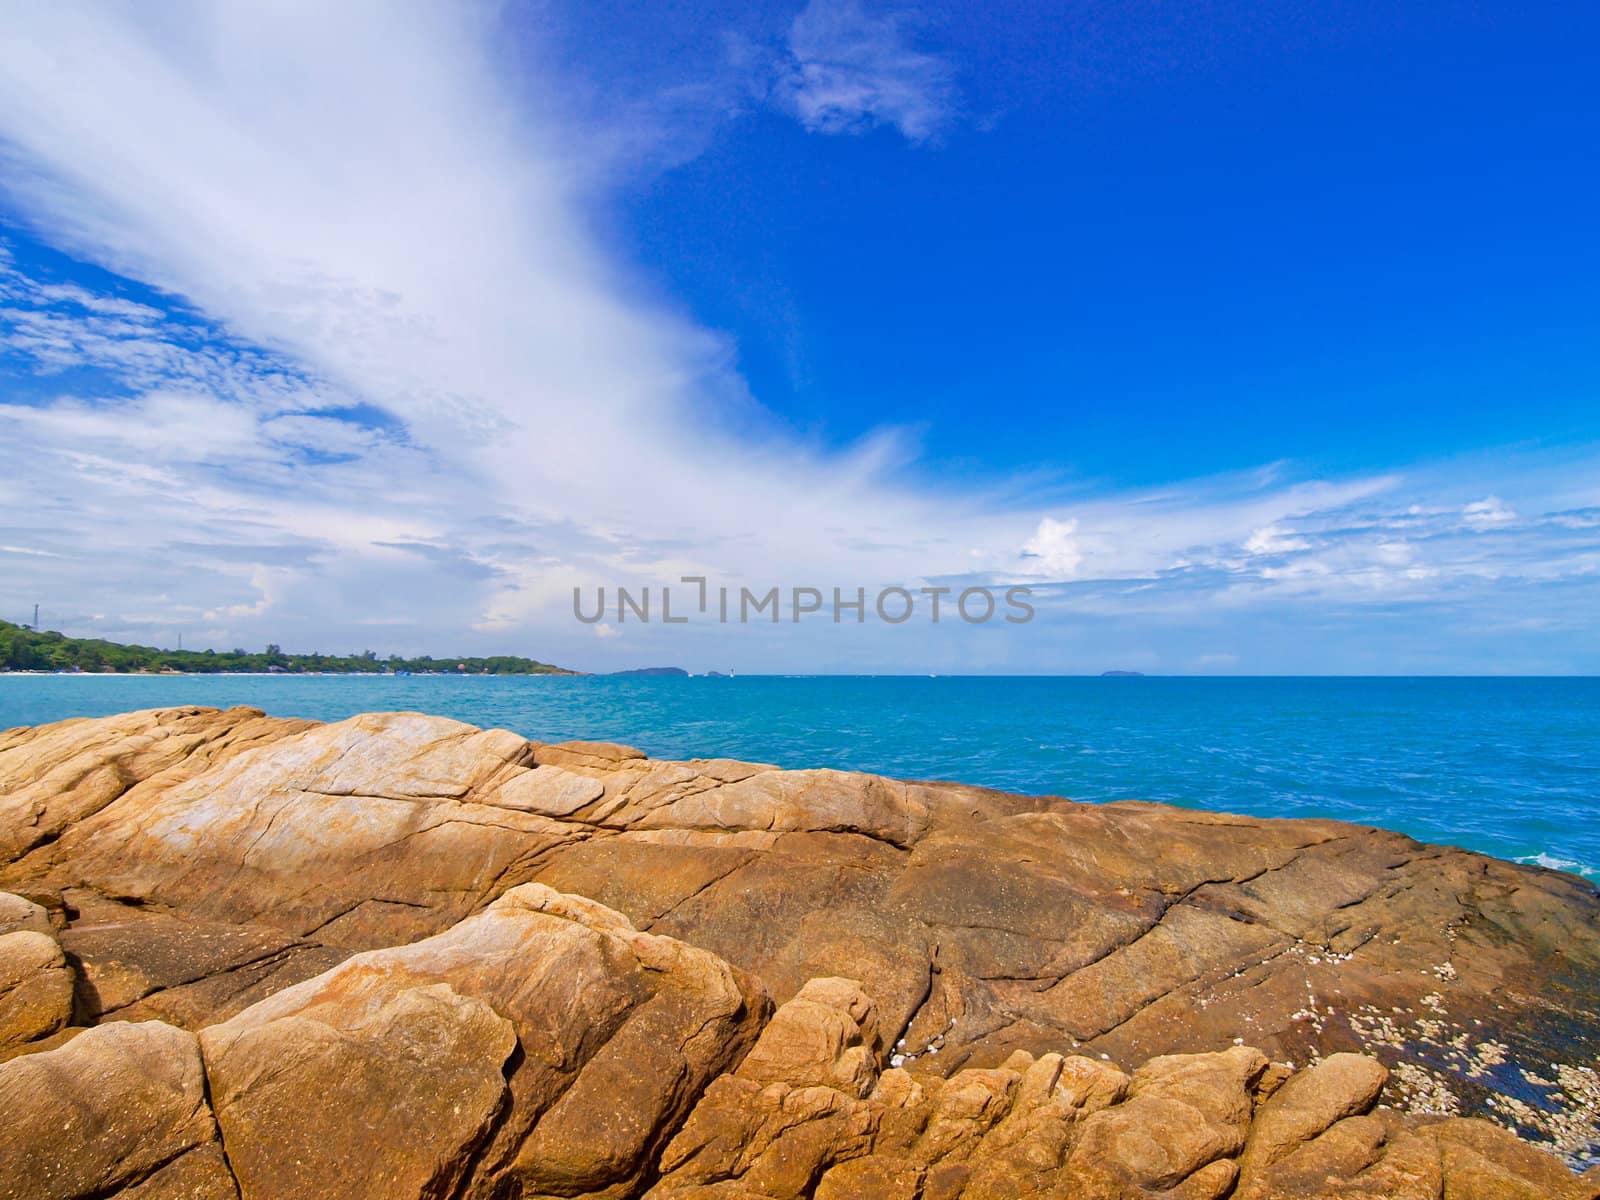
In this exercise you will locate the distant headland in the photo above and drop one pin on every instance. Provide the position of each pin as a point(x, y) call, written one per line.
point(26, 649)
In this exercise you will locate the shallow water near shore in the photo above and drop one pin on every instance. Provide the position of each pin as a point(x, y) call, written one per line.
point(1509, 767)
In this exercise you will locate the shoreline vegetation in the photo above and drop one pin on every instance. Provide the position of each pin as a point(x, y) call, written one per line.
point(27, 650)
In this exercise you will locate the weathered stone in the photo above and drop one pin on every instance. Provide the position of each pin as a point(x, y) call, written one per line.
point(619, 1033)
point(1345, 1085)
point(1313, 1128)
point(772, 1140)
point(198, 1174)
point(792, 1108)
point(1484, 1162)
point(1183, 1113)
point(358, 834)
point(365, 1090)
point(600, 756)
point(827, 1036)
point(17, 913)
point(137, 963)
point(1040, 924)
point(970, 1103)
point(35, 988)
point(551, 791)
point(55, 775)
point(881, 1176)
point(114, 1108)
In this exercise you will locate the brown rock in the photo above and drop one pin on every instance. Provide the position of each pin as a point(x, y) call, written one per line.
point(599, 756)
point(793, 1107)
point(116, 1108)
point(907, 1103)
point(1150, 1143)
point(550, 791)
point(827, 1036)
point(366, 1089)
point(17, 913)
point(1183, 1113)
point(618, 1032)
point(773, 1141)
point(35, 988)
point(1024, 1151)
point(362, 833)
point(1090, 1086)
point(1218, 1087)
point(199, 1174)
point(793, 802)
point(1484, 1162)
point(881, 1176)
point(137, 964)
point(1040, 924)
point(968, 1106)
point(1301, 1135)
point(55, 775)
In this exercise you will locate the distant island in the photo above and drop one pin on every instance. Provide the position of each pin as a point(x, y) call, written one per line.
point(1121, 674)
point(25, 649)
point(673, 672)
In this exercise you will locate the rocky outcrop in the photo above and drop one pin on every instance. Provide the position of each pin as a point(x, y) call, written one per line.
point(119, 1110)
point(1182, 1127)
point(410, 957)
point(545, 1044)
point(54, 775)
point(35, 988)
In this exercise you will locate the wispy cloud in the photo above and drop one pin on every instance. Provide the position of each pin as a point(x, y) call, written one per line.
point(848, 70)
point(1488, 513)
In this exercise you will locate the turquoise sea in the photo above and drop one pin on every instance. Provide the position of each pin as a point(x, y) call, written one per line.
point(1510, 767)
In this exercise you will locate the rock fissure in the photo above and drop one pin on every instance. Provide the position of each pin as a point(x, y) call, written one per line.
point(698, 892)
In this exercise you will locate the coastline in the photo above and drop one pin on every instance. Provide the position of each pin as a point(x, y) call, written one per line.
point(288, 675)
point(982, 927)
point(1428, 757)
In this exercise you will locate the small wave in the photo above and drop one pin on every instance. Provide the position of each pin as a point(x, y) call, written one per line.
point(1557, 864)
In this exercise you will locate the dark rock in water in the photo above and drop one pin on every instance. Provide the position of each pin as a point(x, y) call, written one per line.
point(400, 956)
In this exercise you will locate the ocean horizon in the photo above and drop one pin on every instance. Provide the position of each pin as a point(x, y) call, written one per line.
point(1503, 765)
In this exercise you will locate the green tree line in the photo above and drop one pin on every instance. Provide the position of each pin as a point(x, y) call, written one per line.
point(25, 649)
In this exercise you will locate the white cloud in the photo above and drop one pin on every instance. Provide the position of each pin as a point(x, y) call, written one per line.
point(29, 551)
point(111, 306)
point(1056, 547)
point(1274, 539)
point(1488, 513)
point(848, 71)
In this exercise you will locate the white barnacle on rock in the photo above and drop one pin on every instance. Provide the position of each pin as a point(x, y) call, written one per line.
point(1424, 1092)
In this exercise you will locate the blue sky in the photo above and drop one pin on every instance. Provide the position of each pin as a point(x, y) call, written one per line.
point(1151, 237)
point(1253, 338)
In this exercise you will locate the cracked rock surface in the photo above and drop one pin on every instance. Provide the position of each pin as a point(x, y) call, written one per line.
point(401, 956)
